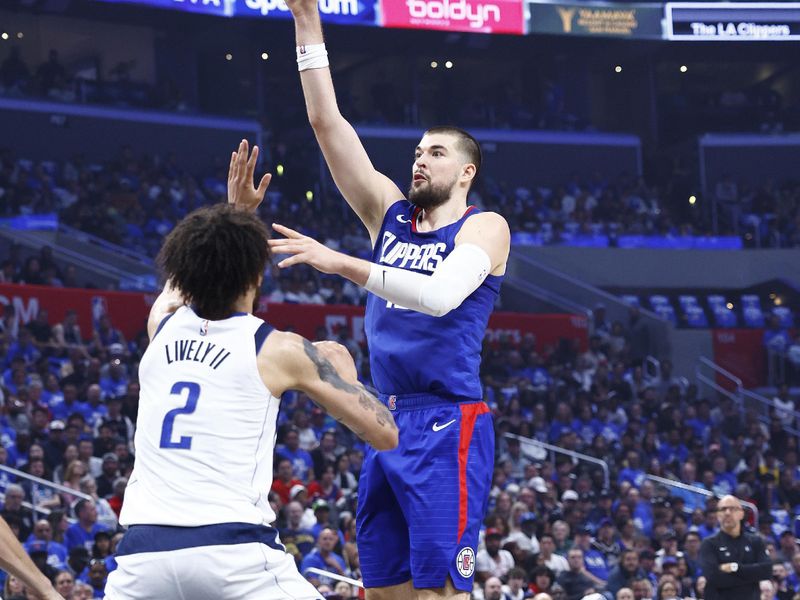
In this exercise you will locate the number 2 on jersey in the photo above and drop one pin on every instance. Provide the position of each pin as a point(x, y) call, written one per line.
point(185, 441)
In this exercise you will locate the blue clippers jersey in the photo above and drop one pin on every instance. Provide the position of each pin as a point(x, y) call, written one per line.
point(413, 353)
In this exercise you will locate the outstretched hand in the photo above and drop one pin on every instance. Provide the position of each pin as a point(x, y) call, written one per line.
point(304, 250)
point(241, 191)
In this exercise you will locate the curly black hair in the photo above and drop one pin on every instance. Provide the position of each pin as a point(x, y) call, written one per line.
point(214, 256)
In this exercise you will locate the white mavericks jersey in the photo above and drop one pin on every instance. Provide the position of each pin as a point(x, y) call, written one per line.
point(205, 433)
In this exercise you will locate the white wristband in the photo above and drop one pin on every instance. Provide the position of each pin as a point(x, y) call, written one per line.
point(311, 56)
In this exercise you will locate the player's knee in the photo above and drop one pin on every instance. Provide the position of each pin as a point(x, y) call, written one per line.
point(403, 591)
point(448, 592)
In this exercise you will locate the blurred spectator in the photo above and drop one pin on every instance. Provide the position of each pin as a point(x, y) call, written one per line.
point(492, 561)
point(625, 573)
point(19, 518)
point(323, 557)
point(298, 541)
point(42, 538)
point(547, 556)
point(14, 72)
point(575, 581)
point(284, 480)
point(81, 533)
point(50, 73)
point(301, 461)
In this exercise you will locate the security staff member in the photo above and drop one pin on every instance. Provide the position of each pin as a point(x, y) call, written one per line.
point(732, 560)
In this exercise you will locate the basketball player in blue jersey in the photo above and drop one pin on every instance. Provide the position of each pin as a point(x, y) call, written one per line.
point(211, 379)
point(435, 273)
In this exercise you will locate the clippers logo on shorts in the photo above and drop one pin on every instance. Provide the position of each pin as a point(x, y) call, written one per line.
point(415, 257)
point(465, 561)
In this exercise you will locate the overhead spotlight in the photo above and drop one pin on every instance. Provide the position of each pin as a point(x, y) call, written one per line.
point(772, 296)
point(309, 195)
point(618, 69)
point(729, 305)
point(279, 170)
point(448, 64)
point(434, 64)
point(692, 200)
point(778, 301)
point(264, 56)
point(4, 35)
point(229, 56)
point(20, 35)
point(684, 68)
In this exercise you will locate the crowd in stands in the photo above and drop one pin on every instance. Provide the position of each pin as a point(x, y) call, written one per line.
point(70, 399)
point(133, 201)
point(51, 80)
point(768, 216)
point(762, 108)
point(492, 106)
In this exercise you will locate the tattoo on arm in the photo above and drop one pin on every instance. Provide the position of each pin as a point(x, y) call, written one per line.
point(328, 373)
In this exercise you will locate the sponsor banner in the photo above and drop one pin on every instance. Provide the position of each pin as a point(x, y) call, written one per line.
point(484, 16)
point(219, 8)
point(597, 19)
point(733, 21)
point(742, 352)
point(128, 312)
point(343, 12)
point(347, 12)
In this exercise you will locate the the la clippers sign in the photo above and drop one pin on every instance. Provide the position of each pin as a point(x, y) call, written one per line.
point(484, 16)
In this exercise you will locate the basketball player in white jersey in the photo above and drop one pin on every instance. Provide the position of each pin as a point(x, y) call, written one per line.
point(196, 503)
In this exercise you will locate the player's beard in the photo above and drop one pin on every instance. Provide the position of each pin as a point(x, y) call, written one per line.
point(429, 195)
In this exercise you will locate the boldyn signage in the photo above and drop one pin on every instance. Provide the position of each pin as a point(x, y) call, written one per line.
point(597, 19)
point(733, 21)
point(483, 16)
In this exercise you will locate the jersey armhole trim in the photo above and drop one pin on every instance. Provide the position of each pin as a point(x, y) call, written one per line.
point(261, 335)
point(163, 322)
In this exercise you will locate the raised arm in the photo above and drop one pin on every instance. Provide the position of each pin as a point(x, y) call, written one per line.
point(326, 372)
point(368, 192)
point(243, 195)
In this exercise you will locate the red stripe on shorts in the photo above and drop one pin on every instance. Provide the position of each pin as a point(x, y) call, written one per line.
point(469, 414)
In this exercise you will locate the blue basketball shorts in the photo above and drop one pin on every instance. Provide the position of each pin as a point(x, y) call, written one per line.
point(420, 506)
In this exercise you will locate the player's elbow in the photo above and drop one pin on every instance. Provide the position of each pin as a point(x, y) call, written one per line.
point(437, 300)
point(323, 121)
point(387, 440)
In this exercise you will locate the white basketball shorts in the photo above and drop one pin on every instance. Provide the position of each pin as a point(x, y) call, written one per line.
point(158, 562)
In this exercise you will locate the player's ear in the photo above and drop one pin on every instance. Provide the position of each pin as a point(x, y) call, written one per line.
point(468, 172)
